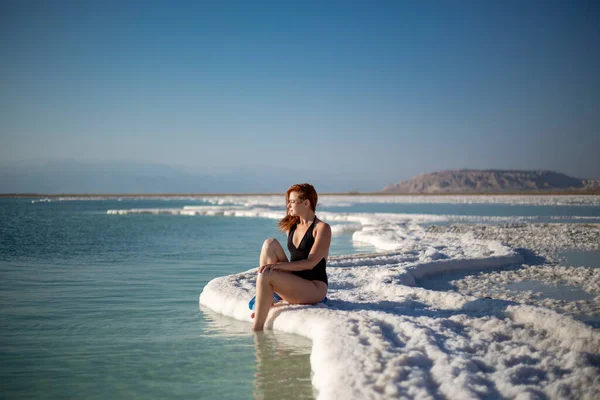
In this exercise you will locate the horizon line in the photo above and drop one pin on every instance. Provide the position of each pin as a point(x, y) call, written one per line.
point(351, 193)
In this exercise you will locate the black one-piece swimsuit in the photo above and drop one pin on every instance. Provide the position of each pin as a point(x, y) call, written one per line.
point(301, 252)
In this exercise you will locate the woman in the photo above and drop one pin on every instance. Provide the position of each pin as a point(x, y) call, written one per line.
point(302, 280)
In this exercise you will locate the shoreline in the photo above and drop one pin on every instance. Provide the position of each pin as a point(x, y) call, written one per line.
point(191, 195)
point(400, 339)
point(382, 334)
point(405, 340)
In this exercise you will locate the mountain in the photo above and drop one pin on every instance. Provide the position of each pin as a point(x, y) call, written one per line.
point(129, 177)
point(492, 181)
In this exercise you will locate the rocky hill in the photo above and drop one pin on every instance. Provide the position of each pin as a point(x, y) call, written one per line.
point(492, 181)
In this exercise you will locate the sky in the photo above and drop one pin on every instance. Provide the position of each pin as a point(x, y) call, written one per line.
point(374, 90)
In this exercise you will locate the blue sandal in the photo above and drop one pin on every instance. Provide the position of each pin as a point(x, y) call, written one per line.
point(276, 298)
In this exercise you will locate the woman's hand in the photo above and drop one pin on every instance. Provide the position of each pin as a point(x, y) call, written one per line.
point(267, 268)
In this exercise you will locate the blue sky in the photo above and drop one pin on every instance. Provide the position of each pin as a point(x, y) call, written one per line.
point(376, 90)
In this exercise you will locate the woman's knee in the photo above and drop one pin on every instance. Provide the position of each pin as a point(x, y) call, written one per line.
point(271, 243)
point(263, 279)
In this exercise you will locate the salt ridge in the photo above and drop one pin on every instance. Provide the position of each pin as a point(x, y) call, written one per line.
point(378, 337)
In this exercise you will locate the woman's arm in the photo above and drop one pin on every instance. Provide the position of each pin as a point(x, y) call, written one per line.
point(319, 251)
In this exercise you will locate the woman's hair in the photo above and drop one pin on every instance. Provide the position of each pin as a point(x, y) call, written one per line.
point(305, 191)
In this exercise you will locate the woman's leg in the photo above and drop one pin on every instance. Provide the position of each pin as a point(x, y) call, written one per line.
point(291, 288)
point(271, 253)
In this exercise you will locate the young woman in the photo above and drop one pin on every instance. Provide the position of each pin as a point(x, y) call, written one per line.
point(303, 280)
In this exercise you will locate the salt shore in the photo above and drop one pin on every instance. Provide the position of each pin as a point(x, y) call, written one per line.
point(543, 239)
point(381, 335)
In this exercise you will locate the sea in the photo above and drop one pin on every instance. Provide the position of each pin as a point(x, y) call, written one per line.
point(102, 306)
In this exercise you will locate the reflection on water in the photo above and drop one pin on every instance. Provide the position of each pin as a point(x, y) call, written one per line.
point(282, 359)
point(282, 366)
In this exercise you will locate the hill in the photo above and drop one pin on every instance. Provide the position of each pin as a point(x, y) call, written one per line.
point(492, 181)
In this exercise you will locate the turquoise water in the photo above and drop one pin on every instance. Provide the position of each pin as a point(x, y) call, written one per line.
point(98, 306)
point(106, 306)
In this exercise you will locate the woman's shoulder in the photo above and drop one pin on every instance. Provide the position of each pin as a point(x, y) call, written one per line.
point(321, 226)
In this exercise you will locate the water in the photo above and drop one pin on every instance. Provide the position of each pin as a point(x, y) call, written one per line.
point(580, 258)
point(106, 306)
point(282, 367)
point(558, 292)
point(103, 306)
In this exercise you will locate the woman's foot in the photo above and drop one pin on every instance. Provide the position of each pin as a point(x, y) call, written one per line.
point(253, 313)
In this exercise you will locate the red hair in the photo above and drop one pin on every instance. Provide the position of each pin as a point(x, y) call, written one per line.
point(305, 191)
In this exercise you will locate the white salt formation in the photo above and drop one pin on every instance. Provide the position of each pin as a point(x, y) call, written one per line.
point(379, 337)
point(494, 284)
point(543, 240)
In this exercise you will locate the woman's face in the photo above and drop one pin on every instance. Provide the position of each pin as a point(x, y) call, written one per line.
point(295, 203)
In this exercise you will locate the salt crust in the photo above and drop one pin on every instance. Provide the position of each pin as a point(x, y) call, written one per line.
point(490, 284)
point(543, 240)
point(380, 336)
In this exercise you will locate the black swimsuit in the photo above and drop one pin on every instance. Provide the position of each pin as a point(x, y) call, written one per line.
point(301, 253)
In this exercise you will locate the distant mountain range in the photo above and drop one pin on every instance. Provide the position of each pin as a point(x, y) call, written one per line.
point(128, 177)
point(492, 181)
